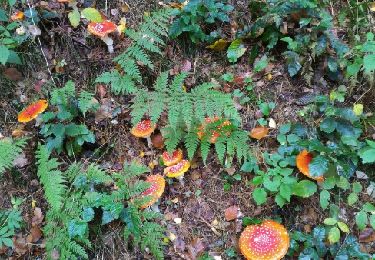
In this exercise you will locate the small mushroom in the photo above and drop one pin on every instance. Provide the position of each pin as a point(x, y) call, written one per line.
point(17, 16)
point(172, 159)
point(214, 133)
point(155, 191)
point(267, 241)
point(303, 160)
point(144, 129)
point(32, 111)
point(178, 170)
point(103, 29)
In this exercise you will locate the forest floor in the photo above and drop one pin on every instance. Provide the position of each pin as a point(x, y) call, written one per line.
point(194, 212)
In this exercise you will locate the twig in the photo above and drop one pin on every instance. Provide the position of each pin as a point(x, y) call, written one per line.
point(40, 43)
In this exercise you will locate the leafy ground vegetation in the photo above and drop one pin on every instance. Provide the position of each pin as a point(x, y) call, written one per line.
point(193, 129)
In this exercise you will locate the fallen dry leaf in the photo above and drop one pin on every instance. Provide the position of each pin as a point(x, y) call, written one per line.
point(195, 248)
point(157, 141)
point(219, 45)
point(20, 244)
point(13, 74)
point(35, 235)
point(186, 66)
point(38, 217)
point(231, 213)
point(367, 235)
point(259, 132)
point(20, 161)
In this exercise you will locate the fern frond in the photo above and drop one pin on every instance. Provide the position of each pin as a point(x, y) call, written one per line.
point(123, 84)
point(97, 176)
point(140, 55)
point(191, 143)
point(85, 102)
point(172, 137)
point(9, 150)
point(50, 177)
point(62, 95)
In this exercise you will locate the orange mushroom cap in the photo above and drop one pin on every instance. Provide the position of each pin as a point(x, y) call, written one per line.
point(173, 159)
point(303, 160)
point(143, 129)
point(266, 241)
point(17, 16)
point(32, 111)
point(102, 29)
point(155, 190)
point(177, 170)
point(214, 134)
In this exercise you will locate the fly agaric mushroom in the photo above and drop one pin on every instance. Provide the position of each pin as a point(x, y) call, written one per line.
point(102, 29)
point(266, 241)
point(155, 190)
point(17, 16)
point(172, 159)
point(303, 160)
point(144, 129)
point(32, 111)
point(178, 170)
point(214, 134)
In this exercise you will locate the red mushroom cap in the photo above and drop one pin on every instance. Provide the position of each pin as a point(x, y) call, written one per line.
point(155, 190)
point(32, 111)
point(177, 170)
point(173, 159)
point(17, 16)
point(102, 29)
point(267, 241)
point(143, 129)
point(214, 134)
point(303, 160)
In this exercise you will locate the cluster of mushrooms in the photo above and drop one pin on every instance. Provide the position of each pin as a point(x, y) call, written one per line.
point(266, 241)
point(176, 166)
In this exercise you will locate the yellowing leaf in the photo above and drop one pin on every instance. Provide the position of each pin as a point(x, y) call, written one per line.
point(74, 18)
point(122, 26)
point(372, 6)
point(358, 109)
point(344, 228)
point(219, 45)
point(259, 132)
point(92, 15)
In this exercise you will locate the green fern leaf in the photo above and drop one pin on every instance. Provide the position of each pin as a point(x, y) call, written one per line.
point(9, 150)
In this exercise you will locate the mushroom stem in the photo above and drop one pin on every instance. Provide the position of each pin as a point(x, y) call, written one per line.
point(149, 143)
point(181, 180)
point(109, 42)
point(155, 207)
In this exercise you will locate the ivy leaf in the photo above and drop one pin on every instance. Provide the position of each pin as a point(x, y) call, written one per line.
point(330, 221)
point(304, 188)
point(261, 64)
point(260, 196)
point(235, 50)
point(92, 15)
point(4, 54)
point(369, 63)
point(328, 125)
point(74, 18)
point(318, 166)
point(285, 191)
point(361, 220)
point(372, 221)
point(280, 201)
point(324, 199)
point(334, 235)
point(344, 228)
point(352, 198)
point(367, 155)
